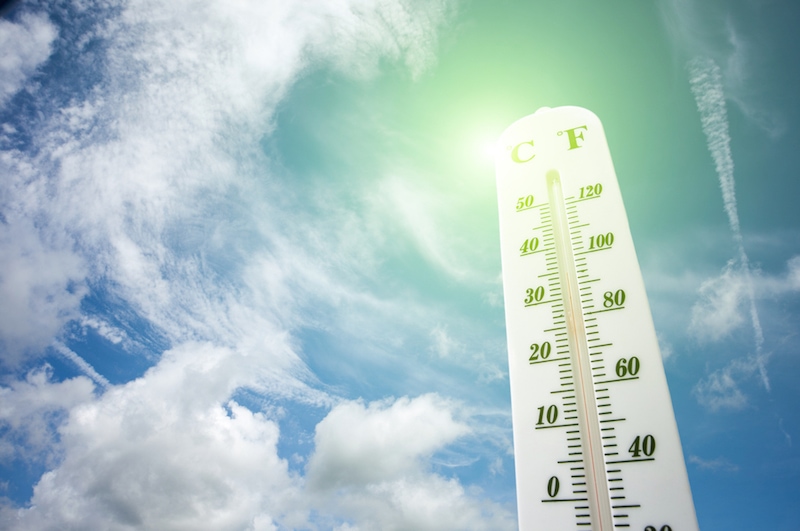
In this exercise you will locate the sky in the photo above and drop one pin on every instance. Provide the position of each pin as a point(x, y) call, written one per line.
point(250, 266)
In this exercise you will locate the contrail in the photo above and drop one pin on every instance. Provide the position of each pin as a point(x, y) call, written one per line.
point(82, 364)
point(706, 82)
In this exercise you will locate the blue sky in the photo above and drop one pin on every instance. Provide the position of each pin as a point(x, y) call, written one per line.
point(250, 265)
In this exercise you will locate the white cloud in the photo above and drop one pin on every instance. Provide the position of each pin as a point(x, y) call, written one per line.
point(722, 389)
point(41, 284)
point(104, 329)
point(744, 74)
point(368, 467)
point(354, 35)
point(24, 46)
point(720, 308)
point(170, 450)
point(719, 312)
point(186, 92)
point(720, 464)
point(358, 444)
point(704, 29)
point(154, 185)
point(785, 284)
point(82, 364)
point(157, 170)
point(31, 409)
point(442, 343)
point(706, 84)
point(723, 300)
point(422, 214)
point(167, 451)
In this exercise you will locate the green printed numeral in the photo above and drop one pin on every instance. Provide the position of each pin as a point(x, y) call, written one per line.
point(614, 299)
point(534, 295)
point(643, 445)
point(601, 241)
point(592, 190)
point(529, 246)
point(625, 367)
point(542, 351)
point(524, 202)
point(551, 415)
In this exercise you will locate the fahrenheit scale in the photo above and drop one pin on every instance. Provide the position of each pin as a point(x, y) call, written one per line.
point(596, 444)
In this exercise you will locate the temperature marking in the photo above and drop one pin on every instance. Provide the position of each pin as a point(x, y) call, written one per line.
point(599, 505)
point(603, 455)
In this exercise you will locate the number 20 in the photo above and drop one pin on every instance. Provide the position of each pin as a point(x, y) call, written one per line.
point(663, 528)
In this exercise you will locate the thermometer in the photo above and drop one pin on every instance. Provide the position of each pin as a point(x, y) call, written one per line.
point(595, 440)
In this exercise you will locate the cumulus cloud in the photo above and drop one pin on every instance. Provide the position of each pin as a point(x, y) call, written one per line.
point(31, 410)
point(24, 46)
point(169, 450)
point(358, 444)
point(369, 467)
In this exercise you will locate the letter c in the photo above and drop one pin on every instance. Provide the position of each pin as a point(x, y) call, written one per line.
point(515, 152)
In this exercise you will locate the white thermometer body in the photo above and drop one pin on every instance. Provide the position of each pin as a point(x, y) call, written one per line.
point(595, 439)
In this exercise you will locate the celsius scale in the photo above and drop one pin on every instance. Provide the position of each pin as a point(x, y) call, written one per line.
point(595, 439)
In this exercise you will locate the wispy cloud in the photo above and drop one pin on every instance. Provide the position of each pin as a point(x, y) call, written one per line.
point(718, 312)
point(720, 464)
point(82, 364)
point(722, 389)
point(706, 84)
point(703, 29)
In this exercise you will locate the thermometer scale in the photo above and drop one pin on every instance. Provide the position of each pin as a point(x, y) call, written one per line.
point(595, 438)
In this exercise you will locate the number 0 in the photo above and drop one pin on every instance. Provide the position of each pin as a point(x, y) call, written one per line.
point(552, 487)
